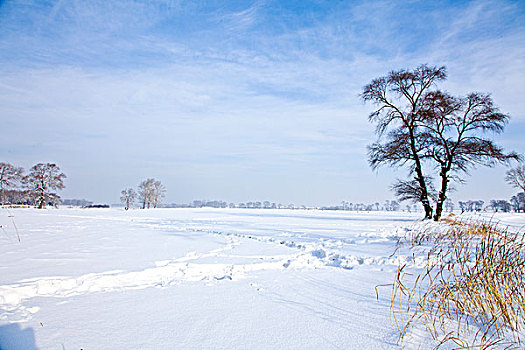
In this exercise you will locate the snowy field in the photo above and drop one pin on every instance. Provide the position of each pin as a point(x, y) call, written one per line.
point(200, 279)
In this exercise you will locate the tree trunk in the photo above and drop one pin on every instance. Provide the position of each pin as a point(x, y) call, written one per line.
point(442, 192)
point(420, 178)
point(424, 194)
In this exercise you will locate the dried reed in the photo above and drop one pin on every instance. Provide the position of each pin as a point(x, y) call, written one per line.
point(472, 289)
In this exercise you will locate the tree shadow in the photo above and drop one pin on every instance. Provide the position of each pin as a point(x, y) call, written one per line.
point(13, 337)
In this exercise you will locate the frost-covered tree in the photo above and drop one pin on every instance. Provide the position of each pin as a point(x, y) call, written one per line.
point(127, 197)
point(146, 193)
point(159, 192)
point(41, 180)
point(150, 193)
point(10, 178)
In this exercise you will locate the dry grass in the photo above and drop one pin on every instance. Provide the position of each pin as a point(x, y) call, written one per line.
point(471, 291)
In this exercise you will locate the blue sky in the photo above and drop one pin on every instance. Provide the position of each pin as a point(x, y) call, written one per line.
point(238, 100)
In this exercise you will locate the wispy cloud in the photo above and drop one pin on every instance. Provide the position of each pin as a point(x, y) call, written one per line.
point(241, 20)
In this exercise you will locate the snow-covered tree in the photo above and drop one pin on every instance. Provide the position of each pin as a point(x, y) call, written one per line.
point(146, 192)
point(41, 180)
point(159, 192)
point(10, 177)
point(151, 192)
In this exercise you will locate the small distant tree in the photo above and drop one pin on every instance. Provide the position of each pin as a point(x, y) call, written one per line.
point(41, 180)
point(462, 206)
point(146, 193)
point(159, 192)
point(395, 205)
point(10, 178)
point(449, 205)
point(150, 193)
point(505, 206)
point(127, 197)
point(518, 202)
point(500, 204)
point(516, 177)
point(478, 205)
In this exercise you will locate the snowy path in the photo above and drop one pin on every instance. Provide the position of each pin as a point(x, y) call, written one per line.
point(260, 270)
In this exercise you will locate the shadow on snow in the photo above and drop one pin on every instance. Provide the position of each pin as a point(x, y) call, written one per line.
point(13, 337)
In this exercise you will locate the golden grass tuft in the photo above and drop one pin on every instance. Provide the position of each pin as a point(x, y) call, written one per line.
point(471, 290)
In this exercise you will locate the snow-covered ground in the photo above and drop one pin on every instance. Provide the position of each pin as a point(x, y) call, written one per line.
point(199, 278)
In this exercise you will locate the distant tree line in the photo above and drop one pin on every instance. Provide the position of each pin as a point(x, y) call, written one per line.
point(516, 178)
point(388, 205)
point(242, 205)
point(516, 204)
point(34, 188)
point(77, 202)
point(149, 194)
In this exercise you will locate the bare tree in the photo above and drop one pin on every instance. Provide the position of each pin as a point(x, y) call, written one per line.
point(399, 98)
point(457, 138)
point(128, 197)
point(43, 178)
point(10, 177)
point(416, 125)
point(516, 177)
